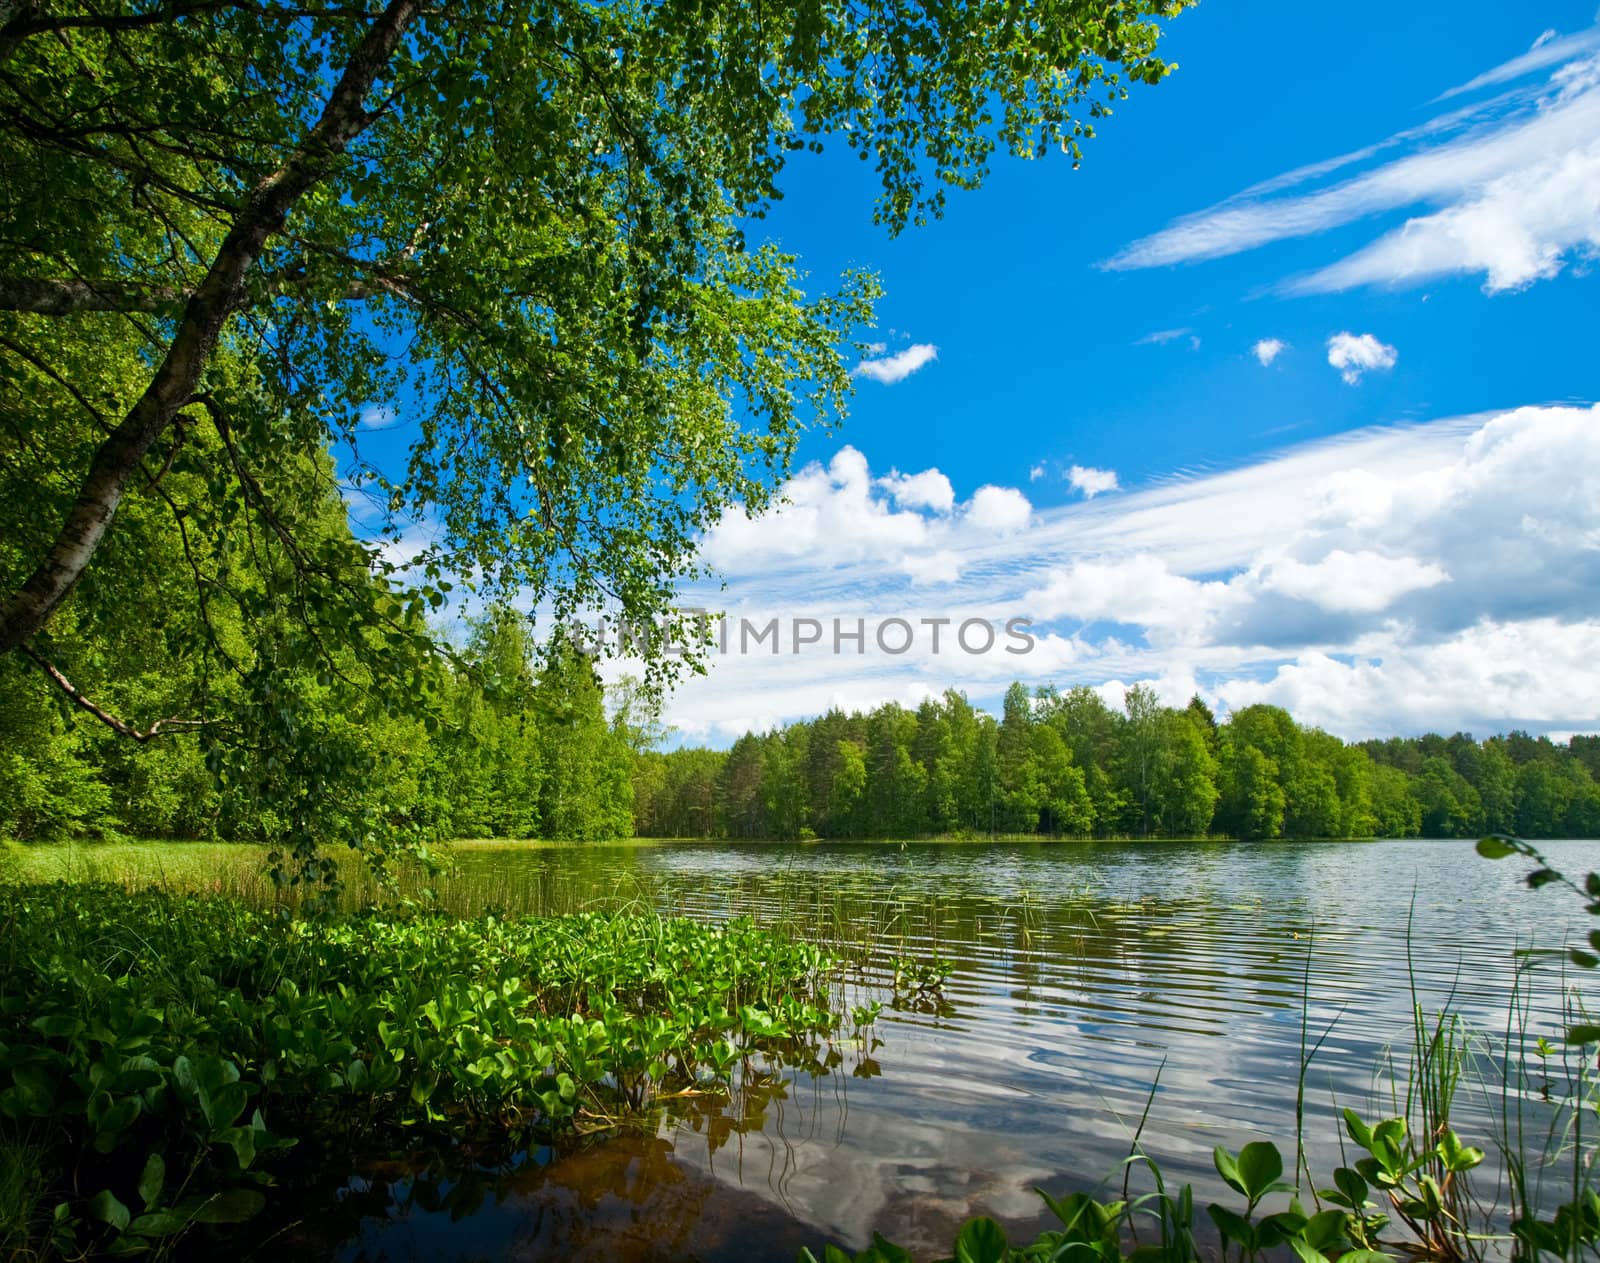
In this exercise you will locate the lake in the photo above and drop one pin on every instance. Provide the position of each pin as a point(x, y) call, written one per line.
point(1085, 981)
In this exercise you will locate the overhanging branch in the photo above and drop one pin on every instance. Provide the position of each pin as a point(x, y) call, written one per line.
point(119, 726)
point(70, 296)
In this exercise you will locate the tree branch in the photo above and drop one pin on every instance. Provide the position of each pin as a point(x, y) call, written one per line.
point(25, 611)
point(119, 726)
point(51, 296)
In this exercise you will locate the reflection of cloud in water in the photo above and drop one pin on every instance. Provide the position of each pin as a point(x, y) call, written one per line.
point(1081, 974)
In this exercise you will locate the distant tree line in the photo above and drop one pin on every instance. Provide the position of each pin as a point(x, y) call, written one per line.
point(1066, 764)
point(514, 741)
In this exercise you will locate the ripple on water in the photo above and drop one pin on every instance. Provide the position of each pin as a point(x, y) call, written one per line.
point(1088, 981)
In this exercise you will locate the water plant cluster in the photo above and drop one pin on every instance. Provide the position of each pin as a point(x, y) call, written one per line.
point(158, 1052)
point(1413, 1184)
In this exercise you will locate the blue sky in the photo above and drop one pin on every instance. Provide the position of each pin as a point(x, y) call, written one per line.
point(1347, 404)
point(1287, 395)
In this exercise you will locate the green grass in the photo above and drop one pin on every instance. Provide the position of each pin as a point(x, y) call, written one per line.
point(22, 1189)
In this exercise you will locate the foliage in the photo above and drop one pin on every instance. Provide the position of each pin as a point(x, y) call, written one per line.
point(162, 1051)
point(1065, 764)
point(1498, 847)
point(240, 238)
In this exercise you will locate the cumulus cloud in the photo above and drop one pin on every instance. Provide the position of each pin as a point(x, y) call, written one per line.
point(1036, 473)
point(1137, 590)
point(1495, 675)
point(1092, 482)
point(927, 490)
point(1354, 355)
point(828, 516)
point(377, 417)
point(1509, 189)
point(1400, 578)
point(1003, 510)
point(1360, 582)
point(1268, 349)
point(889, 369)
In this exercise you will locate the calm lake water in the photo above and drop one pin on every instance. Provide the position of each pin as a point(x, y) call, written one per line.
point(1082, 977)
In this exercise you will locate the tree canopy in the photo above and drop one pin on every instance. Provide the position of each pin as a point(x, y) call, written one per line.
point(1059, 764)
point(236, 234)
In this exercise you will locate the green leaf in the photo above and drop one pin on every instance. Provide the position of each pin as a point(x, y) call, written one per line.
point(1234, 1227)
point(1491, 849)
point(888, 1251)
point(58, 1025)
point(155, 1175)
point(1228, 1168)
point(232, 1207)
point(160, 1223)
point(1306, 1252)
point(980, 1240)
point(242, 1140)
point(1583, 1033)
point(1260, 1166)
point(105, 1207)
point(1325, 1230)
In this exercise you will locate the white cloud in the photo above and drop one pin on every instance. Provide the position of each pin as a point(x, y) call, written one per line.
point(830, 516)
point(890, 369)
point(1361, 582)
point(1509, 186)
point(1519, 229)
point(1092, 482)
point(1162, 336)
point(1395, 579)
point(1036, 473)
point(928, 490)
point(1268, 349)
point(1550, 49)
point(1495, 675)
point(1003, 510)
point(377, 417)
point(1137, 589)
point(1354, 355)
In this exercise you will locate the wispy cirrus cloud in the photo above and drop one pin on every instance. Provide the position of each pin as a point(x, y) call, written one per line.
point(1162, 336)
point(1509, 189)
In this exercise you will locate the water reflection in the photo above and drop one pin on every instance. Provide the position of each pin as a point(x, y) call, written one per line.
point(1084, 979)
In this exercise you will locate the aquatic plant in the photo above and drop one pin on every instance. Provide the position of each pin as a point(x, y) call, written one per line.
point(163, 1048)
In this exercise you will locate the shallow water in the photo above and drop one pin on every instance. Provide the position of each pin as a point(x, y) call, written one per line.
point(1086, 980)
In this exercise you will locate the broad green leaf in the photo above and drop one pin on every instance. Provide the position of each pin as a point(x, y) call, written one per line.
point(153, 1178)
point(105, 1207)
point(1260, 1166)
point(980, 1240)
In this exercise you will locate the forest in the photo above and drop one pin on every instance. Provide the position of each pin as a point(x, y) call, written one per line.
point(521, 741)
point(1065, 764)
